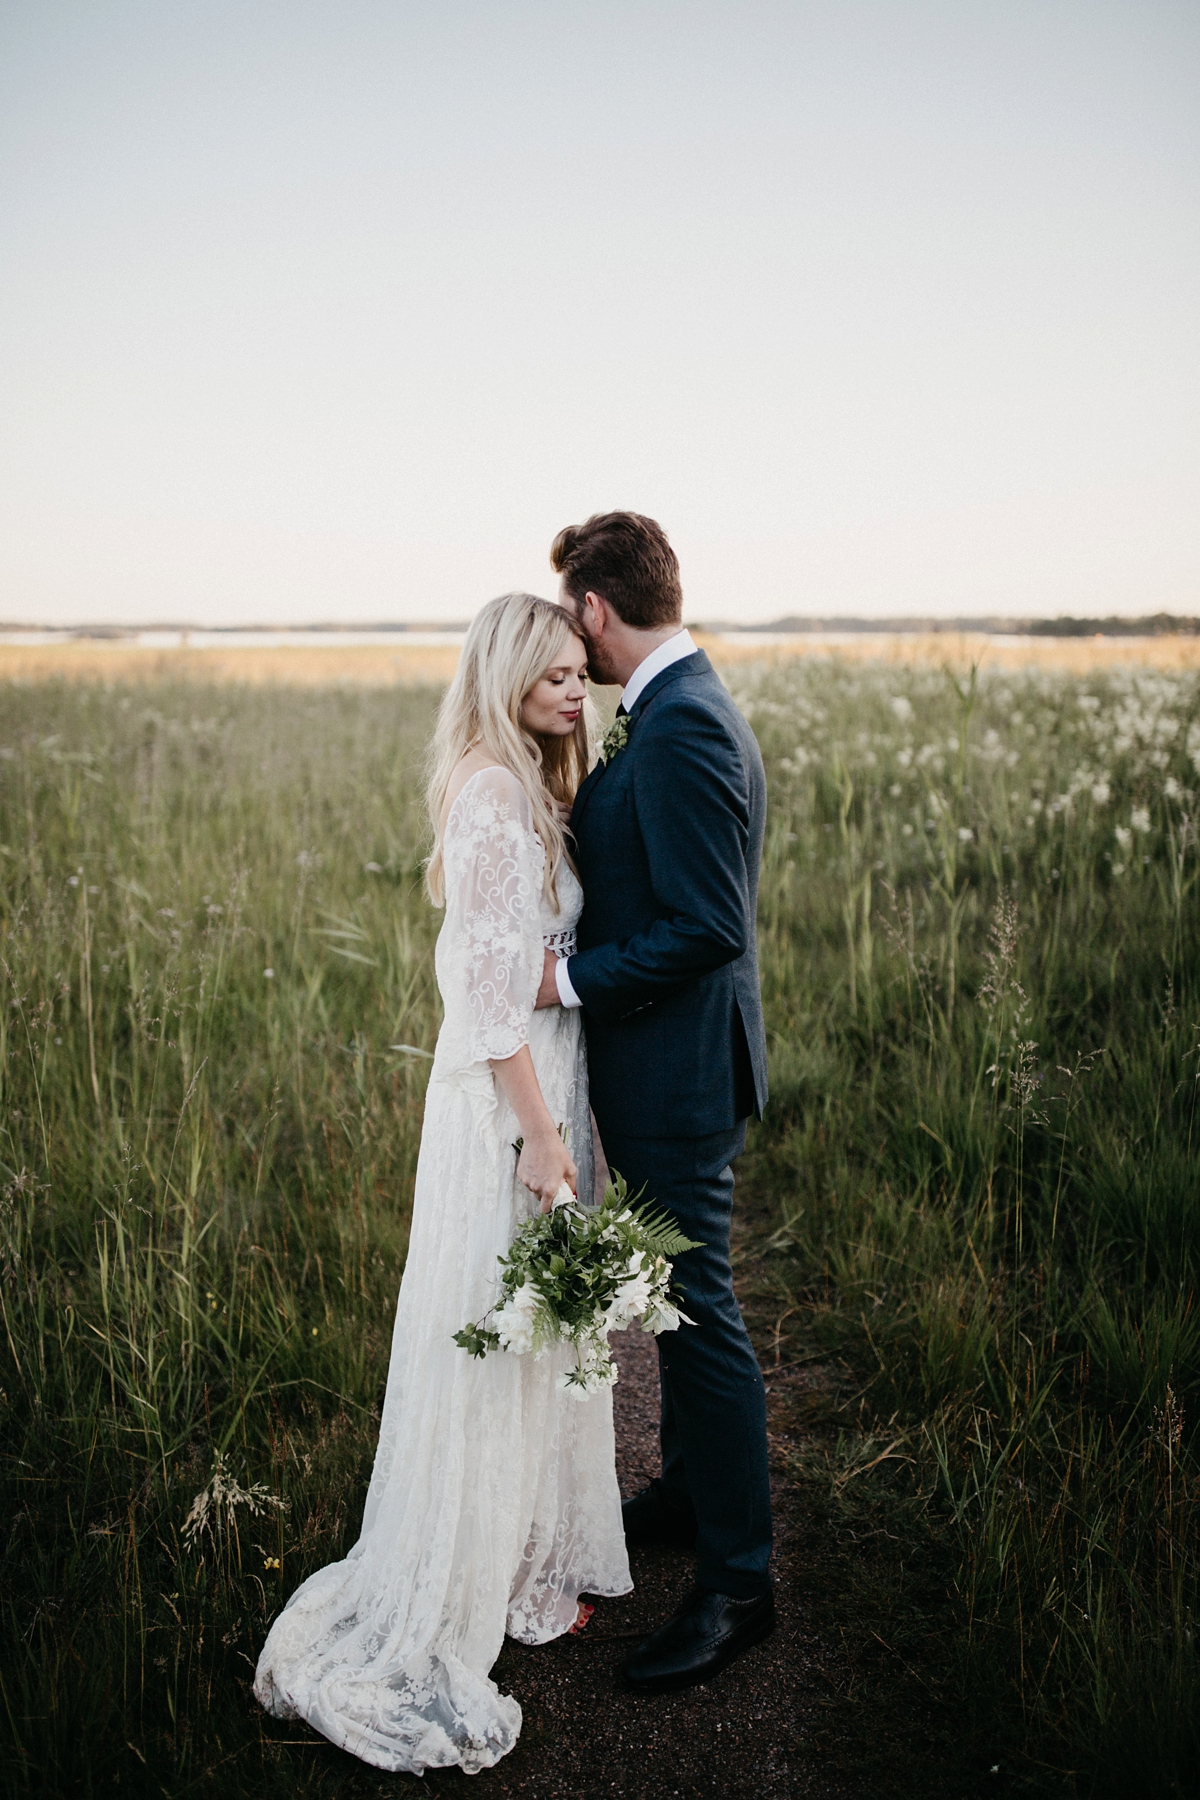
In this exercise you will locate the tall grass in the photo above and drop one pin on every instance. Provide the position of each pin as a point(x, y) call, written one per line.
point(212, 943)
point(978, 930)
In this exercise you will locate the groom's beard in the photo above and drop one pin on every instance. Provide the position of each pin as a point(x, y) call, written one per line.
point(598, 667)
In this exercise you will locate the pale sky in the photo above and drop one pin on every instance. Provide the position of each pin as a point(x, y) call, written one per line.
point(338, 309)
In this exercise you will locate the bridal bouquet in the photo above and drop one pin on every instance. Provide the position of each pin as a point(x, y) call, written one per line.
point(576, 1274)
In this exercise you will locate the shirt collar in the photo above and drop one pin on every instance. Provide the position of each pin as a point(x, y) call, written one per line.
point(672, 651)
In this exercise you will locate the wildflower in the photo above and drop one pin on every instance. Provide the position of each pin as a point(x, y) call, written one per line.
point(269, 974)
point(271, 1562)
point(1101, 792)
point(1123, 836)
point(374, 868)
point(216, 1504)
point(1139, 818)
point(1171, 789)
point(965, 834)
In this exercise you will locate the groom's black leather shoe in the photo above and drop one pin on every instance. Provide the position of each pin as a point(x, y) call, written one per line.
point(648, 1519)
point(705, 1635)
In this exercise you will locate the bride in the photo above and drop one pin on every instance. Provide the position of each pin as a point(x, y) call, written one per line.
point(493, 1504)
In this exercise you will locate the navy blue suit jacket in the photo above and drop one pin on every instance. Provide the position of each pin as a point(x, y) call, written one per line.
point(668, 841)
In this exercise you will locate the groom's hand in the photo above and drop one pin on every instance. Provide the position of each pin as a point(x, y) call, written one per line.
point(547, 994)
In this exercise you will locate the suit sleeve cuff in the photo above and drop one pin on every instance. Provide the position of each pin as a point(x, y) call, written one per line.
point(566, 993)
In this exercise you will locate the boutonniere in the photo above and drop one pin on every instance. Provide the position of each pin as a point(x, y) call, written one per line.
point(614, 739)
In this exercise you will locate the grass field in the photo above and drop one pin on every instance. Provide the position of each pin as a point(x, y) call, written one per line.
point(976, 1184)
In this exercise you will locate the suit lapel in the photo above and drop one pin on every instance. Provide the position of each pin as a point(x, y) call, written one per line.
point(586, 789)
point(696, 664)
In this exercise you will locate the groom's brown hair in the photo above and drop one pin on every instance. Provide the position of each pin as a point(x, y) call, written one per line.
point(627, 560)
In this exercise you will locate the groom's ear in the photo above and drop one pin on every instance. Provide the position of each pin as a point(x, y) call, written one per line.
point(593, 609)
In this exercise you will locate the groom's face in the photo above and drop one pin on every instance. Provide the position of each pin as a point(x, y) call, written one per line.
point(591, 614)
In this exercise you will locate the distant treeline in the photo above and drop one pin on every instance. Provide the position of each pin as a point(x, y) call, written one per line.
point(1156, 625)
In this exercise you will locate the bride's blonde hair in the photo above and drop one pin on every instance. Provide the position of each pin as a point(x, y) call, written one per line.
point(510, 645)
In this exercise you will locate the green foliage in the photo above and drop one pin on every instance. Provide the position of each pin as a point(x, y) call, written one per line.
point(977, 926)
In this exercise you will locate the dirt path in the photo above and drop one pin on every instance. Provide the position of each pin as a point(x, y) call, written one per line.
point(826, 1709)
point(750, 1733)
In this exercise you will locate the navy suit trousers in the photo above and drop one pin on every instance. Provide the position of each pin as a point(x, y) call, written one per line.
point(714, 1417)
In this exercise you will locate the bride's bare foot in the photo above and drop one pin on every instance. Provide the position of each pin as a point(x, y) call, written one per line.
point(582, 1616)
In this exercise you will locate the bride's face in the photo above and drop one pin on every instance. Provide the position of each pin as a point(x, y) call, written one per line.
point(555, 701)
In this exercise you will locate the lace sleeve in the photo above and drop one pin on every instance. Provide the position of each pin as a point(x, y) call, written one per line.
point(494, 862)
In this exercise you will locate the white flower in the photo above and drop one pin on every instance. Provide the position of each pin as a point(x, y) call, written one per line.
point(592, 1370)
point(1139, 818)
point(901, 707)
point(1101, 792)
point(965, 834)
point(632, 1297)
point(663, 1316)
point(1172, 789)
point(1123, 836)
point(513, 1322)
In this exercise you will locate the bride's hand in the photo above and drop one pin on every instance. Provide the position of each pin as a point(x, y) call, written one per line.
point(544, 1165)
point(547, 994)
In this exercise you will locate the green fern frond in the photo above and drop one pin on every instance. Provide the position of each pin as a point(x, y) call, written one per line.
point(663, 1235)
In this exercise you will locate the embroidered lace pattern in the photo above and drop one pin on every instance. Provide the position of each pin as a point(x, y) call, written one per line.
point(493, 1502)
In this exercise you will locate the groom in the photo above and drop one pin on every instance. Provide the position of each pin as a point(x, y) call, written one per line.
point(668, 834)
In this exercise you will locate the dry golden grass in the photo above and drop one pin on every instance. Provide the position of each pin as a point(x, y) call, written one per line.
point(1074, 656)
point(300, 665)
point(399, 665)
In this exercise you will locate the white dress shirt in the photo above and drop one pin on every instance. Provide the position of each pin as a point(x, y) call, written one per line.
point(671, 650)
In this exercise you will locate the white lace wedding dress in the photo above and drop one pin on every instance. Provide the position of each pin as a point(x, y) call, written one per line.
point(493, 1503)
